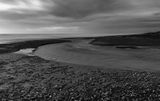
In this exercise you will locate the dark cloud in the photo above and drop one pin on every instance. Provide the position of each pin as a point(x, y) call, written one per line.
point(15, 16)
point(89, 16)
point(83, 8)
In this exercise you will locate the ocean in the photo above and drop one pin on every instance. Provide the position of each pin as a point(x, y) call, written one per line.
point(7, 38)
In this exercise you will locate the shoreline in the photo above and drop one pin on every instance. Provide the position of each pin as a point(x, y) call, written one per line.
point(133, 41)
point(16, 46)
point(32, 78)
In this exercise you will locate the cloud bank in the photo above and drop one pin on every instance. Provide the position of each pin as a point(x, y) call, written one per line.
point(79, 16)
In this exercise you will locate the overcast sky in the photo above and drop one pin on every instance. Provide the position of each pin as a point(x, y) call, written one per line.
point(79, 16)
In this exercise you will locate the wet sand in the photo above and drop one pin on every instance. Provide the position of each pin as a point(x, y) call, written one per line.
point(81, 52)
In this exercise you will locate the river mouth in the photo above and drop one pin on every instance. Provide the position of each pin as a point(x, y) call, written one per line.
point(83, 53)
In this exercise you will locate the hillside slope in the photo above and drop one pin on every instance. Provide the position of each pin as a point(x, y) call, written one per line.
point(147, 39)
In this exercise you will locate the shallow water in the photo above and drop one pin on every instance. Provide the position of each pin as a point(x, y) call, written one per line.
point(28, 51)
point(80, 52)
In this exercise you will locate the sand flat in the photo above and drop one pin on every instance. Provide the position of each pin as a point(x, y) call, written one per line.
point(83, 53)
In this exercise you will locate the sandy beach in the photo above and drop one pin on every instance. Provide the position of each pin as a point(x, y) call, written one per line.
point(124, 75)
point(80, 52)
point(32, 78)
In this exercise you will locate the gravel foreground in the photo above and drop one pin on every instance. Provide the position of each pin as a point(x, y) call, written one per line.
point(30, 78)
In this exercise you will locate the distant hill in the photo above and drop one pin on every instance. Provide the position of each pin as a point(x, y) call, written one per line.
point(147, 39)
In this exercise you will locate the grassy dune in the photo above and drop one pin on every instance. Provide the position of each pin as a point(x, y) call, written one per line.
point(133, 41)
point(16, 46)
